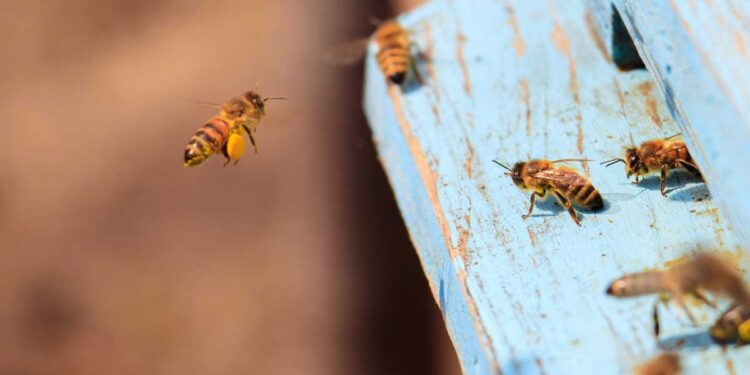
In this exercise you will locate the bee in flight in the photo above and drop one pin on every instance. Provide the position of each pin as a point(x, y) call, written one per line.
point(237, 118)
point(567, 185)
point(704, 271)
point(732, 326)
point(658, 155)
point(394, 54)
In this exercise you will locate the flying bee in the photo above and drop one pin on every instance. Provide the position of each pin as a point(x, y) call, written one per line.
point(667, 363)
point(658, 155)
point(237, 118)
point(732, 326)
point(567, 185)
point(705, 271)
point(393, 55)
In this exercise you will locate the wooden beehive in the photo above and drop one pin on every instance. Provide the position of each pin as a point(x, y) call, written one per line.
point(515, 80)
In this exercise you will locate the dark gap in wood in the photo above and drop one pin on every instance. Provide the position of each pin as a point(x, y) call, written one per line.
point(624, 53)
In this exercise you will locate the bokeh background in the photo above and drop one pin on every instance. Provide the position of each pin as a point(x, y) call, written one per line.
point(114, 259)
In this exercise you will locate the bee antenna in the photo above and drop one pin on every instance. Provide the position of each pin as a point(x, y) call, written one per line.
point(612, 162)
point(673, 135)
point(275, 98)
point(500, 164)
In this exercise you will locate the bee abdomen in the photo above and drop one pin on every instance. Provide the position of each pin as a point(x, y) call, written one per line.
point(394, 62)
point(584, 194)
point(207, 140)
point(393, 52)
point(638, 284)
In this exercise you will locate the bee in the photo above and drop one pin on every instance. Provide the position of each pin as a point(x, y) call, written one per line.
point(658, 155)
point(567, 185)
point(393, 55)
point(237, 118)
point(732, 326)
point(664, 364)
point(706, 271)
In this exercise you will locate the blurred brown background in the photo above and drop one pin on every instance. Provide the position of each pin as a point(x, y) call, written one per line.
point(117, 260)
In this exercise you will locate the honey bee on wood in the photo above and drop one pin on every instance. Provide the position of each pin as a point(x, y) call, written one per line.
point(237, 118)
point(394, 54)
point(394, 57)
point(732, 326)
point(567, 185)
point(664, 364)
point(658, 155)
point(703, 271)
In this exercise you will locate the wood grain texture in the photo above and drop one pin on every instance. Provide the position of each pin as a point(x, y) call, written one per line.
point(699, 52)
point(513, 80)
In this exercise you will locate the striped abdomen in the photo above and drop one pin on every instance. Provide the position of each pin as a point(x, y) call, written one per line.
point(207, 140)
point(393, 51)
point(639, 284)
point(575, 187)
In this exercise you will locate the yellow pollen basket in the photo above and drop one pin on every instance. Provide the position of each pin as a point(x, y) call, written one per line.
point(235, 147)
point(744, 331)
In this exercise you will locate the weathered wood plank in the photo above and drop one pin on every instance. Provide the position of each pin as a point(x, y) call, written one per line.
point(699, 53)
point(516, 80)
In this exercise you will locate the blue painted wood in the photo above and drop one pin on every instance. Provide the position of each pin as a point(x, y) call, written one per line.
point(699, 53)
point(517, 80)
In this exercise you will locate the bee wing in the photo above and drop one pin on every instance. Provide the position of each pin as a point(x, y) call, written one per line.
point(346, 54)
point(553, 175)
point(673, 136)
point(569, 160)
point(661, 152)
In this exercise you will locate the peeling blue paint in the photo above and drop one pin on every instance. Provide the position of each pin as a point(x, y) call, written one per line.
point(527, 296)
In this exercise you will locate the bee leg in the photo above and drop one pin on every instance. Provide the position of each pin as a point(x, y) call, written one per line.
point(663, 180)
point(225, 152)
point(655, 317)
point(531, 206)
point(252, 139)
point(681, 302)
point(566, 203)
point(703, 298)
point(416, 53)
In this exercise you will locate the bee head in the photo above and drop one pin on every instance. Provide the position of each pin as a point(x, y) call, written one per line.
point(633, 162)
point(255, 99)
point(515, 173)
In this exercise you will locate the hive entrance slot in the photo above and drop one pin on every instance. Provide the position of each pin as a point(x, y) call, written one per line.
point(624, 53)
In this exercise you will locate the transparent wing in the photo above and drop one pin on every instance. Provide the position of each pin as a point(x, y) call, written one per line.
point(569, 160)
point(346, 54)
point(661, 152)
point(673, 136)
point(554, 175)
